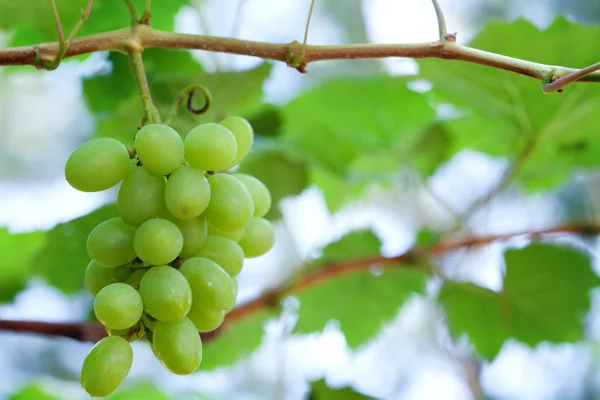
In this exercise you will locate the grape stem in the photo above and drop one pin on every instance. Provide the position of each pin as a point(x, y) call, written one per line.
point(94, 332)
point(134, 51)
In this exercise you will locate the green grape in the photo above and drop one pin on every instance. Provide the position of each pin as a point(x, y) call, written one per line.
point(136, 277)
point(187, 193)
point(106, 366)
point(131, 334)
point(212, 287)
point(258, 239)
point(225, 252)
point(210, 147)
point(97, 165)
point(261, 197)
point(111, 243)
point(177, 346)
point(159, 148)
point(194, 233)
point(244, 136)
point(230, 207)
point(97, 277)
point(233, 235)
point(158, 241)
point(205, 320)
point(118, 306)
point(166, 293)
point(122, 273)
point(141, 196)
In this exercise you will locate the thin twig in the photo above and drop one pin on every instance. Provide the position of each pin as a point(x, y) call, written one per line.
point(147, 14)
point(133, 11)
point(189, 93)
point(310, 12)
point(139, 73)
point(441, 20)
point(59, 29)
point(270, 299)
point(560, 83)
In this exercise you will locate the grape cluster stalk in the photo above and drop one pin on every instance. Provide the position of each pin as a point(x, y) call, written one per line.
point(166, 268)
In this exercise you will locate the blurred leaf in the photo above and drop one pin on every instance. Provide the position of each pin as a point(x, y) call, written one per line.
point(267, 122)
point(504, 111)
point(32, 21)
point(63, 259)
point(320, 391)
point(140, 391)
point(545, 298)
point(237, 340)
point(342, 120)
point(283, 174)
point(427, 237)
point(32, 392)
point(15, 264)
point(363, 301)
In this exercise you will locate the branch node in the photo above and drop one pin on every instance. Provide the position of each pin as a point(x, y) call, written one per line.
point(293, 60)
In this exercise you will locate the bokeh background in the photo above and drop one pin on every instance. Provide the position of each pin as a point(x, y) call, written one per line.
point(43, 117)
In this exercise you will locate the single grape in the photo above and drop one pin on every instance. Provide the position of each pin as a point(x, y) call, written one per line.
point(187, 193)
point(159, 148)
point(205, 320)
point(158, 241)
point(97, 277)
point(111, 243)
point(225, 252)
point(97, 165)
point(141, 196)
point(244, 136)
point(136, 277)
point(212, 287)
point(194, 233)
point(210, 147)
point(166, 293)
point(261, 197)
point(230, 207)
point(258, 239)
point(122, 273)
point(177, 346)
point(106, 366)
point(233, 235)
point(118, 306)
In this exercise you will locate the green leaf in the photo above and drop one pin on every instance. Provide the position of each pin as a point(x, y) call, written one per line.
point(237, 340)
point(320, 391)
point(32, 21)
point(141, 391)
point(342, 120)
point(282, 173)
point(15, 263)
point(545, 298)
point(32, 392)
point(63, 259)
point(362, 301)
point(505, 113)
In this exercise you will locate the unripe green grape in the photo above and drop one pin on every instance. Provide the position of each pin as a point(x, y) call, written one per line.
point(141, 196)
point(233, 235)
point(258, 239)
point(166, 293)
point(97, 165)
point(97, 277)
point(194, 233)
point(225, 252)
point(158, 241)
point(210, 147)
point(118, 306)
point(106, 366)
point(177, 346)
point(111, 243)
point(205, 320)
point(187, 193)
point(121, 273)
point(212, 287)
point(136, 277)
point(159, 148)
point(244, 136)
point(230, 207)
point(261, 197)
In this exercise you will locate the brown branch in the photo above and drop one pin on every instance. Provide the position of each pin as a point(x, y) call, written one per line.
point(148, 37)
point(94, 332)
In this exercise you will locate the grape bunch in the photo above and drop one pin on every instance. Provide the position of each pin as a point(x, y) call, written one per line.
point(165, 269)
